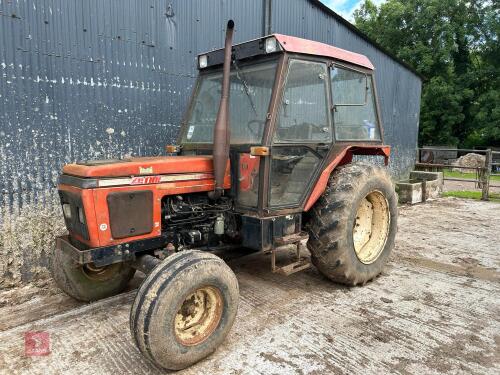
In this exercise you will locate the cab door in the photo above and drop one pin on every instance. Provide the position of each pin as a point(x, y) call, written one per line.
point(355, 114)
point(303, 133)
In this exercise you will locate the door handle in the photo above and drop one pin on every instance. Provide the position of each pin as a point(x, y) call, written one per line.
point(323, 147)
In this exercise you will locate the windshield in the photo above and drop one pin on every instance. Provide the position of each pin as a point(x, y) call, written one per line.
point(250, 93)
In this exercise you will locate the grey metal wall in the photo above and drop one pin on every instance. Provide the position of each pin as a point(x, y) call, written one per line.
point(110, 78)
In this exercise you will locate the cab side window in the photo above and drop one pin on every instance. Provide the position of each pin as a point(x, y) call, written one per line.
point(304, 113)
point(354, 112)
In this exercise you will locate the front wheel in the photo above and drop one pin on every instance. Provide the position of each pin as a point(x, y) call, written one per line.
point(184, 309)
point(353, 225)
point(88, 282)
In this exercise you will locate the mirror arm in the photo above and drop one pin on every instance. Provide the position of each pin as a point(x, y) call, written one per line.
point(366, 89)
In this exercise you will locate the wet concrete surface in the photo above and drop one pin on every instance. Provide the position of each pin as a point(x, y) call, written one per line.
point(435, 309)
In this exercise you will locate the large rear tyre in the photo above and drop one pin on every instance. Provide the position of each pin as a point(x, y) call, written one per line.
point(353, 225)
point(88, 282)
point(184, 309)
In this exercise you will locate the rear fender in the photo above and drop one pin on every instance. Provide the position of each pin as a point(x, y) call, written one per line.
point(343, 155)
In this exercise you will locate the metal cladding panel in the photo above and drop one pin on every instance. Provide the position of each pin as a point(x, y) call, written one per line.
point(91, 79)
point(398, 88)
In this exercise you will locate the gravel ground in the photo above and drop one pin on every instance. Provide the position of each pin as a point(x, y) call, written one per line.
point(436, 309)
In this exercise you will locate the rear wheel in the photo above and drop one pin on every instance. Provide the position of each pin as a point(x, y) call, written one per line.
point(184, 309)
point(353, 225)
point(88, 282)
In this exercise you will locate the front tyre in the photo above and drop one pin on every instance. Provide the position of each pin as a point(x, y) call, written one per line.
point(353, 225)
point(184, 309)
point(88, 282)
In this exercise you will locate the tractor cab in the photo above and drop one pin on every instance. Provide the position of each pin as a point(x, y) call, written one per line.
point(291, 101)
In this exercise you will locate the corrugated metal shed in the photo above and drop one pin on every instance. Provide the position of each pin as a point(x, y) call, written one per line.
point(100, 79)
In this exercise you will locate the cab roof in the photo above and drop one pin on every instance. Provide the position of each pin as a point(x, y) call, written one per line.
point(292, 44)
point(310, 47)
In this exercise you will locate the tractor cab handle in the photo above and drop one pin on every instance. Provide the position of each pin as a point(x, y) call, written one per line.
point(322, 146)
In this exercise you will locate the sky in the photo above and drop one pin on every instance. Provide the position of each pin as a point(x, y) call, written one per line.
point(346, 7)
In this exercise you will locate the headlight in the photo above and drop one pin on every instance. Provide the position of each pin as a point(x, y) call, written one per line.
point(271, 45)
point(203, 61)
point(67, 210)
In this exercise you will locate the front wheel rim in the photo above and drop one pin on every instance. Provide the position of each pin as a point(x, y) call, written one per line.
point(105, 273)
point(198, 316)
point(371, 227)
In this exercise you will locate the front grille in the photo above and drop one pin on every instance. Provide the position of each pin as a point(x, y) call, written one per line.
point(74, 214)
point(130, 213)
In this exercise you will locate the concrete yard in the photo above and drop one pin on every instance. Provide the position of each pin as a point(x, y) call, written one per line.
point(436, 309)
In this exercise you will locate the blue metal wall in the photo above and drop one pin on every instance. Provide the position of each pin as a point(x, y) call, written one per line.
point(110, 78)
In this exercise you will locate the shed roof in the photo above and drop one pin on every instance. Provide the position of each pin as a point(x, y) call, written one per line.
point(310, 47)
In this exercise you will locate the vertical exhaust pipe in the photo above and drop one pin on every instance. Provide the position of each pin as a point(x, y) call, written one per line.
point(222, 128)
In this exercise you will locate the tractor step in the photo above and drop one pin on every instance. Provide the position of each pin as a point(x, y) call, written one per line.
point(291, 239)
point(300, 264)
point(292, 267)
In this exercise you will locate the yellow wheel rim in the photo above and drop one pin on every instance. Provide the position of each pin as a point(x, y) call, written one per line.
point(371, 227)
point(198, 316)
point(100, 273)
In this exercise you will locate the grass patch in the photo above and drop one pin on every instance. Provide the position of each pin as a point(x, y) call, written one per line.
point(470, 176)
point(494, 197)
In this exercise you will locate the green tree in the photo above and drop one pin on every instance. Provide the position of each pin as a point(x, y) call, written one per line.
point(454, 44)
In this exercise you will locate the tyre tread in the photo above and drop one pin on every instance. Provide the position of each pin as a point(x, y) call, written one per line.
point(329, 216)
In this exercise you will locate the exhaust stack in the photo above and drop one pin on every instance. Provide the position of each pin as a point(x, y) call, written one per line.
point(221, 128)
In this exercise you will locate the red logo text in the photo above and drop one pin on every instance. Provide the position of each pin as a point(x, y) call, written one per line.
point(145, 180)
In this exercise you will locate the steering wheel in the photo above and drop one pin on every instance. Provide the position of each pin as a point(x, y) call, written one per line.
point(251, 127)
point(313, 127)
point(301, 131)
point(199, 108)
point(206, 101)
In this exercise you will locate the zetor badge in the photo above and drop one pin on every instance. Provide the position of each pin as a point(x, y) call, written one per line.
point(145, 180)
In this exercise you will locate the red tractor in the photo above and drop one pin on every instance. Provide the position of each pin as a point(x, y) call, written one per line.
point(265, 159)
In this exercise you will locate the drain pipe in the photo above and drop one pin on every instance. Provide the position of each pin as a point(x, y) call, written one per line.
point(222, 128)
